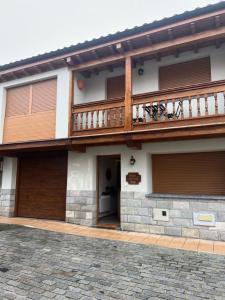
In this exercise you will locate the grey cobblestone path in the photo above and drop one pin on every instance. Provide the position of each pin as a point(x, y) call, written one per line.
point(36, 264)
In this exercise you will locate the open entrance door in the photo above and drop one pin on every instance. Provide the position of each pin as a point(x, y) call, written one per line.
point(108, 191)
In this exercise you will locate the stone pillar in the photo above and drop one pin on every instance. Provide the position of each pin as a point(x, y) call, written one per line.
point(8, 189)
point(81, 205)
point(136, 214)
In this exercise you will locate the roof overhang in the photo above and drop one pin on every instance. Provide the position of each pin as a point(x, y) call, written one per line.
point(171, 36)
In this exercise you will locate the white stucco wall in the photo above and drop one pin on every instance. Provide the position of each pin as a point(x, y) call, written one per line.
point(95, 86)
point(62, 101)
point(9, 173)
point(82, 167)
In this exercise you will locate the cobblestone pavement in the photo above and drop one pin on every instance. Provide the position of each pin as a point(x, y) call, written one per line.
point(38, 264)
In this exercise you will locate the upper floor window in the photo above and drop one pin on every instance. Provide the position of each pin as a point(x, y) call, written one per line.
point(32, 98)
point(186, 73)
point(115, 87)
point(30, 112)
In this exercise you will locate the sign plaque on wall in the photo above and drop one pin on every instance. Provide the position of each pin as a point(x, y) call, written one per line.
point(204, 218)
point(133, 178)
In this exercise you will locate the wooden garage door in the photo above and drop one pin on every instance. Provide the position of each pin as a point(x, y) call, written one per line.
point(42, 186)
point(190, 173)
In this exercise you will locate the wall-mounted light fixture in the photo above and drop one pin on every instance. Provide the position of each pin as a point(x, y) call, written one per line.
point(132, 160)
point(140, 71)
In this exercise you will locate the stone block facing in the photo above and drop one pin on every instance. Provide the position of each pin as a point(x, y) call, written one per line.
point(137, 215)
point(7, 202)
point(81, 207)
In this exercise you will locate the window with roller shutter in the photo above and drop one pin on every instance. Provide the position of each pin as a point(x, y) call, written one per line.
point(189, 173)
point(186, 73)
point(30, 112)
point(115, 87)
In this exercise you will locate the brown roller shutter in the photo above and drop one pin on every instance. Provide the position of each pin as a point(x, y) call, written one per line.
point(189, 173)
point(44, 96)
point(115, 87)
point(186, 73)
point(18, 101)
point(31, 112)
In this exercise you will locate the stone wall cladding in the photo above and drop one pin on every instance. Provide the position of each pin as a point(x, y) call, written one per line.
point(7, 202)
point(137, 215)
point(81, 207)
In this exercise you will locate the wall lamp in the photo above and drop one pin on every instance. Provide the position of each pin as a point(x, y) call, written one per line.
point(140, 71)
point(132, 160)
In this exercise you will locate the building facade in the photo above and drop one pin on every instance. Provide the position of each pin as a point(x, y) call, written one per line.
point(126, 131)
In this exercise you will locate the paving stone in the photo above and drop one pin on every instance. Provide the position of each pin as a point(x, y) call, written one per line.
point(49, 265)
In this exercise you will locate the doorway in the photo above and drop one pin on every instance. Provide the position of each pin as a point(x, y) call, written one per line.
point(108, 191)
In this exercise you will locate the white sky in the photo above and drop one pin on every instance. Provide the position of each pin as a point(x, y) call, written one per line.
point(30, 27)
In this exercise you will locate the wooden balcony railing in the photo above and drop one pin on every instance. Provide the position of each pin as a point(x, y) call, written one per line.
point(192, 105)
point(101, 116)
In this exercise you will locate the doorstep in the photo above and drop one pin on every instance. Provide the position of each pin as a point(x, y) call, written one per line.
point(131, 237)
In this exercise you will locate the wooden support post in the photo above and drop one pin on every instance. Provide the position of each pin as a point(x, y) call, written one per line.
point(71, 102)
point(128, 94)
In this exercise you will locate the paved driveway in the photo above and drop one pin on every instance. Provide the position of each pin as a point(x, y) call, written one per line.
point(36, 264)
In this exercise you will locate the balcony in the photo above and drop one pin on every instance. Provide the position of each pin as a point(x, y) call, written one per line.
point(191, 107)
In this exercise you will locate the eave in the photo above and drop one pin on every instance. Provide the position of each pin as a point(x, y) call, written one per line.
point(197, 31)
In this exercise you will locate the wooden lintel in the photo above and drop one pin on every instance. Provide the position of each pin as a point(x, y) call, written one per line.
point(78, 148)
point(135, 145)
